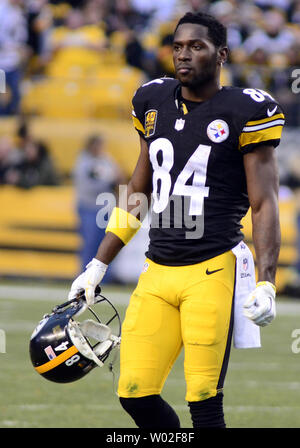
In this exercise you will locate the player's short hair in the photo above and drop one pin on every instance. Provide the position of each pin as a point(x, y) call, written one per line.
point(216, 30)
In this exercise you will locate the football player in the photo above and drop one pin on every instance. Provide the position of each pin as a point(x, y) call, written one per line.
point(207, 154)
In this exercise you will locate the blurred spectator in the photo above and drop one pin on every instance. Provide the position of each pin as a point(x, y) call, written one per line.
point(275, 37)
point(154, 63)
point(13, 52)
point(23, 132)
point(95, 172)
point(249, 18)
point(75, 42)
point(95, 11)
point(9, 157)
point(158, 11)
point(40, 20)
point(295, 13)
point(72, 3)
point(255, 73)
point(264, 58)
point(123, 16)
point(267, 4)
point(33, 168)
point(227, 13)
point(195, 5)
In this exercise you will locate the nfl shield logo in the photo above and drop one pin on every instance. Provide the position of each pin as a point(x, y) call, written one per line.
point(245, 264)
point(179, 124)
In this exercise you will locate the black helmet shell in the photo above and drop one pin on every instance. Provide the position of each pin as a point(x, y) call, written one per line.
point(52, 352)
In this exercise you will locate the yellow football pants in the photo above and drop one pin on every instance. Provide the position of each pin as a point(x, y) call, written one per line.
point(175, 306)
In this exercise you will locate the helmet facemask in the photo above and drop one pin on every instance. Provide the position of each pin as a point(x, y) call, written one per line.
point(80, 334)
point(64, 349)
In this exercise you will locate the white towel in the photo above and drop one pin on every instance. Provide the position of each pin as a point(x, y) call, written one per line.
point(246, 334)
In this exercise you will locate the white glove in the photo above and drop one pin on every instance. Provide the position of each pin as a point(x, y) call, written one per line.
point(260, 305)
point(88, 280)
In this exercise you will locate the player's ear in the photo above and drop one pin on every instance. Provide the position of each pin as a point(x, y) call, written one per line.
point(222, 55)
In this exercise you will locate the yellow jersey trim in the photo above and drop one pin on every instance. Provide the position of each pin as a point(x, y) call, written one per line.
point(248, 138)
point(264, 120)
point(137, 124)
point(184, 109)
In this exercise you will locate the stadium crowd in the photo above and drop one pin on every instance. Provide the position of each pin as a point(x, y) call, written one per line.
point(263, 36)
point(26, 162)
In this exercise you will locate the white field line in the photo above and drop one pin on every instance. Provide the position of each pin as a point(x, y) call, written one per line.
point(287, 385)
point(23, 292)
point(181, 407)
point(251, 366)
point(42, 408)
point(248, 384)
point(55, 294)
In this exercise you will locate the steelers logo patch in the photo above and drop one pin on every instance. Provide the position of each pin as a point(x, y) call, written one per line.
point(218, 131)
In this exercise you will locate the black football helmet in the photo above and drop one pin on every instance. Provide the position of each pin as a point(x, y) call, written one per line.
point(61, 348)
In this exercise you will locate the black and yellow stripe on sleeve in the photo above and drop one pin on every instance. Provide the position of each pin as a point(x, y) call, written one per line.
point(137, 124)
point(261, 131)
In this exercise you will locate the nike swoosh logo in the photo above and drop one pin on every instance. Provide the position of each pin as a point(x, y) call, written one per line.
point(212, 272)
point(271, 112)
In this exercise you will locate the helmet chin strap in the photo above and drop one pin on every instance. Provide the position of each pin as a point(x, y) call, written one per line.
point(79, 331)
point(81, 343)
point(102, 333)
point(111, 366)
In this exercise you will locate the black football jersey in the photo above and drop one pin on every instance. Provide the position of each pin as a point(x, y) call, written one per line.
point(196, 152)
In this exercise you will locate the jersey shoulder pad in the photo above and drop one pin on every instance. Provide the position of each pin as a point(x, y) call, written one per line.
point(149, 97)
point(261, 119)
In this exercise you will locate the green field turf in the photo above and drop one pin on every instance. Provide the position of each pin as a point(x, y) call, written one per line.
point(262, 387)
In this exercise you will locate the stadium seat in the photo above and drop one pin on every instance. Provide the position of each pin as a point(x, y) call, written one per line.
point(66, 137)
point(38, 236)
point(288, 251)
point(104, 92)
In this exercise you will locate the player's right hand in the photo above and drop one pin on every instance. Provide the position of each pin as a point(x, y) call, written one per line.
point(88, 280)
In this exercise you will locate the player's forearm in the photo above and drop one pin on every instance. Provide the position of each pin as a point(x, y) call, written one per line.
point(137, 201)
point(111, 243)
point(109, 248)
point(266, 239)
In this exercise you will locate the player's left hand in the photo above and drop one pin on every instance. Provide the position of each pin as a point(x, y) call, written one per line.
point(260, 306)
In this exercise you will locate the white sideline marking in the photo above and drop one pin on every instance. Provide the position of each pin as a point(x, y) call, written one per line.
point(249, 384)
point(286, 307)
point(271, 409)
point(250, 366)
point(10, 423)
point(180, 407)
point(56, 294)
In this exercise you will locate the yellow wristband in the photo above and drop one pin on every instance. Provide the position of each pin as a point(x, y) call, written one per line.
point(267, 283)
point(123, 224)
